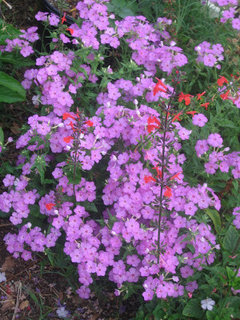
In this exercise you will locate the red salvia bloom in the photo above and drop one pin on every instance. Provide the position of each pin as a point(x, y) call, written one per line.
point(221, 81)
point(149, 178)
point(70, 30)
point(67, 139)
point(49, 206)
point(168, 192)
point(205, 105)
point(192, 113)
point(159, 172)
point(158, 88)
point(224, 96)
point(63, 18)
point(153, 123)
point(89, 123)
point(199, 95)
point(176, 176)
point(67, 115)
point(176, 117)
point(185, 97)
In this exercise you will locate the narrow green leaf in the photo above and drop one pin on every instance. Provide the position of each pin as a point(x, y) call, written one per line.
point(215, 217)
point(1, 136)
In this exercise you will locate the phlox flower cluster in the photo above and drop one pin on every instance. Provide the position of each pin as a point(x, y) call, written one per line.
point(131, 201)
point(217, 157)
point(147, 42)
point(23, 42)
point(229, 12)
point(236, 221)
point(56, 88)
point(210, 55)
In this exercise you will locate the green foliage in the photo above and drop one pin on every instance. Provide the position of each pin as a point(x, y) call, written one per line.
point(193, 309)
point(10, 89)
point(215, 217)
point(1, 137)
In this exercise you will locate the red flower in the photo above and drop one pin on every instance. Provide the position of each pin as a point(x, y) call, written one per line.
point(176, 117)
point(49, 206)
point(185, 97)
point(67, 115)
point(224, 96)
point(67, 139)
point(63, 18)
point(168, 192)
point(191, 112)
point(89, 123)
point(199, 95)
point(176, 176)
point(159, 172)
point(157, 88)
point(205, 105)
point(148, 179)
point(70, 30)
point(153, 123)
point(221, 81)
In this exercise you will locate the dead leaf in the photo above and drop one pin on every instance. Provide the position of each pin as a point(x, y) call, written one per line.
point(24, 305)
point(8, 264)
point(8, 304)
point(15, 128)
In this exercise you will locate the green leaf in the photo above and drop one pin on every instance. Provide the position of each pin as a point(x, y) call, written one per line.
point(215, 217)
point(231, 239)
point(7, 31)
point(1, 137)
point(40, 165)
point(74, 177)
point(10, 89)
point(236, 283)
point(193, 309)
point(4, 214)
point(89, 206)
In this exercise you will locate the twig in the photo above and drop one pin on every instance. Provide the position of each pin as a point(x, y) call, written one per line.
point(19, 293)
point(5, 225)
point(7, 4)
point(4, 292)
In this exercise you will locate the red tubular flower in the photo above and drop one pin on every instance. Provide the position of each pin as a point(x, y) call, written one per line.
point(192, 113)
point(205, 105)
point(158, 88)
point(199, 95)
point(89, 123)
point(49, 206)
point(148, 179)
point(63, 18)
point(168, 192)
point(160, 83)
point(159, 172)
point(185, 97)
point(70, 30)
point(176, 176)
point(224, 96)
point(67, 139)
point(176, 117)
point(153, 123)
point(221, 81)
point(67, 115)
